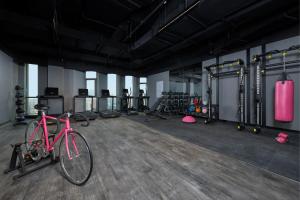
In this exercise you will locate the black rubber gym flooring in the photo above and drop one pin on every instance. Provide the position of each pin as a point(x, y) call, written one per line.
point(260, 150)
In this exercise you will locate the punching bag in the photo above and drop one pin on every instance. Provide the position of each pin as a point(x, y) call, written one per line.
point(284, 100)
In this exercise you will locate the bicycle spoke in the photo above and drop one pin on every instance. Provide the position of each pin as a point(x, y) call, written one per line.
point(77, 163)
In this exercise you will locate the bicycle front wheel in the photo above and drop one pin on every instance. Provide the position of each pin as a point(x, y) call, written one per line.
point(76, 165)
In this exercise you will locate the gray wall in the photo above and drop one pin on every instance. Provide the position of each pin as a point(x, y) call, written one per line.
point(101, 85)
point(55, 79)
point(228, 87)
point(8, 80)
point(152, 80)
point(42, 79)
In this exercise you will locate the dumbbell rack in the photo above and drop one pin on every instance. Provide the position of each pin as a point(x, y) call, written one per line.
point(20, 112)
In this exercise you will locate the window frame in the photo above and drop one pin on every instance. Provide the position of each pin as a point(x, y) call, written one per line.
point(26, 92)
point(94, 107)
point(144, 83)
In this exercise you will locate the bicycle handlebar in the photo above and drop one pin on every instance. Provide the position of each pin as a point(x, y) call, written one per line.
point(69, 114)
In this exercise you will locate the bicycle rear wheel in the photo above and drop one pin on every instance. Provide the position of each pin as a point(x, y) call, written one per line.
point(34, 142)
point(78, 167)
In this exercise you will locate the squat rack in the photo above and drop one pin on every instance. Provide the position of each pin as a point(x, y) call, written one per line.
point(214, 73)
point(260, 68)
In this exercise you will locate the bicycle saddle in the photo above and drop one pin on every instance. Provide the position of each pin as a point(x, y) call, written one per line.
point(41, 107)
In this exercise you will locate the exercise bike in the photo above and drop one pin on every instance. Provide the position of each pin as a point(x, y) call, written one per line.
point(75, 156)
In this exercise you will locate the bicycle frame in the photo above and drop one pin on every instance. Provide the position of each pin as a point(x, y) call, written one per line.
point(65, 131)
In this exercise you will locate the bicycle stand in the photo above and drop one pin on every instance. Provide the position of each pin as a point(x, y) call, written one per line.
point(25, 162)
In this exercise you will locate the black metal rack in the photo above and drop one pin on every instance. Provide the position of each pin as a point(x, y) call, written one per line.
point(261, 68)
point(214, 73)
point(20, 112)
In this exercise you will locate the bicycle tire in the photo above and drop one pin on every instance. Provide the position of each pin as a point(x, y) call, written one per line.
point(64, 159)
point(29, 131)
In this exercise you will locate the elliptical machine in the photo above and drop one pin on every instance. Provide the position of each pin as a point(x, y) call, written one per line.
point(143, 102)
point(127, 103)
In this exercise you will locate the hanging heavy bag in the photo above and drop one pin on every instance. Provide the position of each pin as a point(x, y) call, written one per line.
point(284, 97)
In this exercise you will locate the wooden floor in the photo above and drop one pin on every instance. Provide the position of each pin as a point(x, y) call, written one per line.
point(132, 161)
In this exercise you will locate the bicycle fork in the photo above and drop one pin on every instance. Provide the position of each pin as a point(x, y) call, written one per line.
point(73, 145)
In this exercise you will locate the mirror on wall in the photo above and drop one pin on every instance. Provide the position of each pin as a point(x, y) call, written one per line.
point(186, 80)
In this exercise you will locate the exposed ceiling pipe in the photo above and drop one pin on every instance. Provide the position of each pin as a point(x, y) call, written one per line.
point(290, 17)
point(134, 3)
point(197, 21)
point(180, 15)
point(121, 3)
point(153, 33)
point(99, 22)
point(209, 28)
point(146, 19)
point(84, 6)
point(219, 50)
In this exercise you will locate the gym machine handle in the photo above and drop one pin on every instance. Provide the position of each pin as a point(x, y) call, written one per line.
point(87, 122)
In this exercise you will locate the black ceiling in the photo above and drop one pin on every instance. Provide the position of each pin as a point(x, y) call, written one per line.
point(135, 36)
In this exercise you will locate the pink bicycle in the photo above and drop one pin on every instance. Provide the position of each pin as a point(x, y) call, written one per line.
point(75, 156)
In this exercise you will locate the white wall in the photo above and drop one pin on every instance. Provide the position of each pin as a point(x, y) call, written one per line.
point(152, 81)
point(74, 80)
point(8, 80)
point(68, 82)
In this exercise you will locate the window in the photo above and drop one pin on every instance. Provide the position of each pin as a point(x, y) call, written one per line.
point(32, 88)
point(90, 75)
point(143, 85)
point(91, 86)
point(112, 87)
point(129, 84)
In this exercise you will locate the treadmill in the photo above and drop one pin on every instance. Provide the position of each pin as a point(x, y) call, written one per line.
point(108, 113)
point(90, 114)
